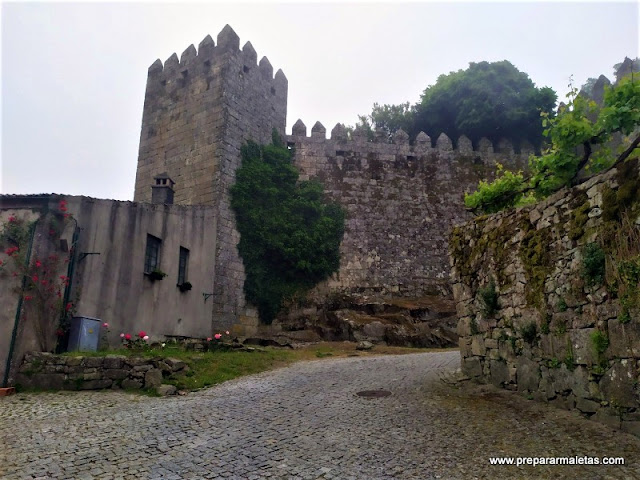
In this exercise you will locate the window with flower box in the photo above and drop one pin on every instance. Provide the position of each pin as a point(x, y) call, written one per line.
point(152, 255)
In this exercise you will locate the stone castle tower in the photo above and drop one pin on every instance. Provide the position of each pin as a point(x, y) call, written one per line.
point(401, 199)
point(198, 111)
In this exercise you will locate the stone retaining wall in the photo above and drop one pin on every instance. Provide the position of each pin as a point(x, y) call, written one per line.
point(58, 372)
point(566, 324)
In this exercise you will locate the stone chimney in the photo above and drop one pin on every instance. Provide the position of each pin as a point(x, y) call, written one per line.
point(162, 189)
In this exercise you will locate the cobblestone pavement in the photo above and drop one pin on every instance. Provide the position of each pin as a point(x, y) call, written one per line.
point(305, 422)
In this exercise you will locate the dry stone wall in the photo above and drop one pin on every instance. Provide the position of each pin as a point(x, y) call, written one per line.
point(547, 298)
point(47, 371)
point(401, 200)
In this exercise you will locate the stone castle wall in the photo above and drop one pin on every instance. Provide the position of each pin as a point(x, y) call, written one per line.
point(563, 331)
point(400, 199)
point(198, 112)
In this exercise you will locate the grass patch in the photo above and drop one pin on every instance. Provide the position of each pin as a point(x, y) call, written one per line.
point(211, 368)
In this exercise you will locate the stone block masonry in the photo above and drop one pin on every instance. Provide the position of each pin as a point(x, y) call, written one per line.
point(198, 112)
point(400, 199)
point(57, 372)
point(564, 273)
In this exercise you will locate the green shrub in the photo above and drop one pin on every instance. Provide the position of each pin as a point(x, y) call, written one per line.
point(625, 316)
point(569, 361)
point(289, 235)
point(554, 363)
point(593, 264)
point(562, 305)
point(489, 298)
point(600, 342)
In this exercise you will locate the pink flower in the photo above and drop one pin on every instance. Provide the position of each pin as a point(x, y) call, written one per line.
point(209, 339)
point(105, 325)
point(122, 335)
point(68, 307)
point(217, 336)
point(127, 336)
point(34, 278)
point(28, 297)
point(142, 334)
point(38, 263)
point(227, 332)
point(146, 337)
point(12, 219)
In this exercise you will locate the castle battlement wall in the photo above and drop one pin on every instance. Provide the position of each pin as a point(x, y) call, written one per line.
point(212, 98)
point(401, 201)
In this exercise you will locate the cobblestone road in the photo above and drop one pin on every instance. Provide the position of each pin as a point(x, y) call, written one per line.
point(305, 422)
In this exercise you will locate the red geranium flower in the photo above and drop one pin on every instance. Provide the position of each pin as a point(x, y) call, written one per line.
point(68, 307)
point(35, 279)
point(27, 297)
point(142, 334)
point(127, 336)
point(38, 263)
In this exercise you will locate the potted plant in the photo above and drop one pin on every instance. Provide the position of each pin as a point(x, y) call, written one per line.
point(156, 274)
point(185, 286)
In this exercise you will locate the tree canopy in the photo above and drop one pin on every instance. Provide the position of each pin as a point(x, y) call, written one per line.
point(579, 136)
point(289, 235)
point(493, 100)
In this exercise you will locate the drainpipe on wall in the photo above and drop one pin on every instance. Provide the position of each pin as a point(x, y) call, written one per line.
point(14, 333)
point(70, 272)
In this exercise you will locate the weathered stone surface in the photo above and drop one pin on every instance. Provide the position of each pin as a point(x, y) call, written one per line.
point(94, 362)
point(131, 383)
point(619, 385)
point(175, 364)
point(165, 390)
point(528, 375)
point(74, 361)
point(472, 367)
point(499, 373)
point(587, 406)
point(95, 384)
point(153, 378)
point(114, 361)
point(624, 339)
point(115, 374)
point(364, 345)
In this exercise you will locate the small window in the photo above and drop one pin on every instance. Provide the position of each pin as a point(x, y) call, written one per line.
point(152, 255)
point(182, 265)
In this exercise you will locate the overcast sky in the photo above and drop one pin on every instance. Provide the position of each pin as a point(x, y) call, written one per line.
point(73, 75)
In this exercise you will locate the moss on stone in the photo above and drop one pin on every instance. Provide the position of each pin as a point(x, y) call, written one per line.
point(536, 258)
point(579, 215)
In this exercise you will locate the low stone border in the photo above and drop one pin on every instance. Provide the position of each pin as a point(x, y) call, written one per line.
point(47, 371)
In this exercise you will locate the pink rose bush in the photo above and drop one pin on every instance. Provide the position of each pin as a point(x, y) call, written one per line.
point(141, 342)
point(217, 343)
